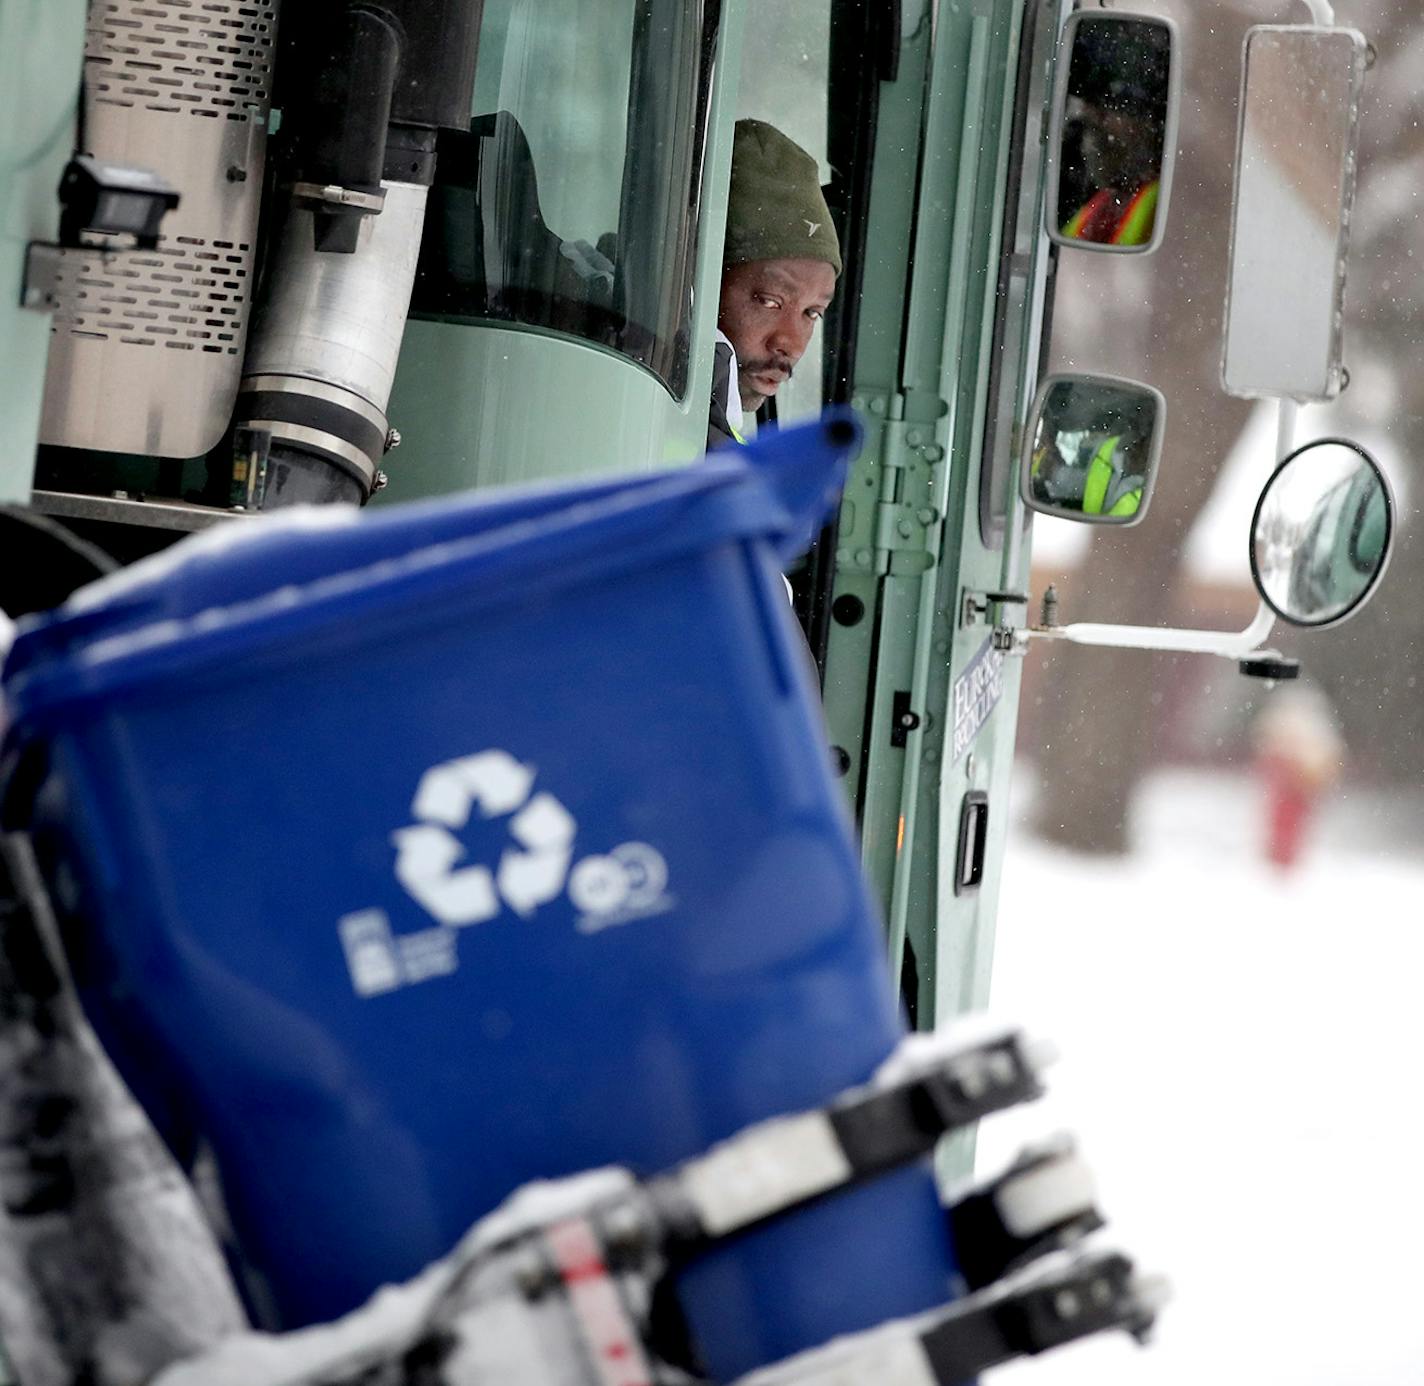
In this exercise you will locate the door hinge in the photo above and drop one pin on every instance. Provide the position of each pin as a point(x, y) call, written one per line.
point(893, 512)
point(894, 509)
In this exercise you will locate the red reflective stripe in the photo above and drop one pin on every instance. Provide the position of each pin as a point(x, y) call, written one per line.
point(1086, 217)
point(609, 1336)
point(1098, 219)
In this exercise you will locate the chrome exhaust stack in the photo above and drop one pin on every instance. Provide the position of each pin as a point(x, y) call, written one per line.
point(327, 335)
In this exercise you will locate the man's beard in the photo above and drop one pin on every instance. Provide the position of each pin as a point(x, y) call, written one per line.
point(753, 398)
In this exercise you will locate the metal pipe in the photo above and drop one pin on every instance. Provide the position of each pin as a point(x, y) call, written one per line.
point(437, 80)
point(324, 349)
point(1321, 11)
point(1228, 644)
point(1286, 422)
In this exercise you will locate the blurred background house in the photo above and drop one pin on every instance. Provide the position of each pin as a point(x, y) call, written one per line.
point(1240, 1040)
point(1096, 721)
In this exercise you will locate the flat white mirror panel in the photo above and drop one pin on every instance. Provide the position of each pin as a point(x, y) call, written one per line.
point(1295, 181)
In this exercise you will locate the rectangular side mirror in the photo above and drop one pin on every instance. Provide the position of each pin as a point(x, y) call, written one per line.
point(1295, 184)
point(1093, 446)
point(1114, 132)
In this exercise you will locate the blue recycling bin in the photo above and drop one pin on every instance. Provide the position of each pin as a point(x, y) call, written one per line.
point(411, 856)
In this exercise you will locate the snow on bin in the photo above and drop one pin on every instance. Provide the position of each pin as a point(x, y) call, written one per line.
point(407, 857)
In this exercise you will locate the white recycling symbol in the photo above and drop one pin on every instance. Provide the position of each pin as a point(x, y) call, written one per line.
point(530, 873)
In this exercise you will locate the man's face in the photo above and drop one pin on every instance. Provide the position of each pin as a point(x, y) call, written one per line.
point(769, 309)
point(1120, 150)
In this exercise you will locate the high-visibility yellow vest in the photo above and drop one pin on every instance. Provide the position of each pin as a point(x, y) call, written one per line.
point(1101, 471)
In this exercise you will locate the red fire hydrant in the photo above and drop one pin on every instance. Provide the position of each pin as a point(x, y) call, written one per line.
point(1300, 754)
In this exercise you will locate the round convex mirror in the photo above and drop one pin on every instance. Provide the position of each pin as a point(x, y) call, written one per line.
point(1322, 533)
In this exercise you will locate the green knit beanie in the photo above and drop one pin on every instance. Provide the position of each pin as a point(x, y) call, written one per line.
point(776, 209)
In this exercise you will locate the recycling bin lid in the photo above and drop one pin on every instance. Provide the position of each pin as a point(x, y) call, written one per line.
point(234, 587)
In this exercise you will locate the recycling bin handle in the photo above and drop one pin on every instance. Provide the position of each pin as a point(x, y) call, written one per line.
point(806, 476)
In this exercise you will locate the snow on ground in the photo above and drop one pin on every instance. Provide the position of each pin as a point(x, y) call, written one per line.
point(1242, 1063)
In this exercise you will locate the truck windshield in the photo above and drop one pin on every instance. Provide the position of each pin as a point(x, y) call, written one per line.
point(572, 203)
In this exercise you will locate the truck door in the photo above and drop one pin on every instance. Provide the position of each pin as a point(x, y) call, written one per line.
point(931, 140)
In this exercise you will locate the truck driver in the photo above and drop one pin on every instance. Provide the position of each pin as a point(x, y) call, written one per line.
point(780, 263)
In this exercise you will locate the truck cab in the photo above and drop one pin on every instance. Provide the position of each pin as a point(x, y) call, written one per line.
point(538, 301)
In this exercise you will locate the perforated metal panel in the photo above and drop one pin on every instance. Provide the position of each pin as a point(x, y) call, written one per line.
point(186, 297)
point(147, 347)
point(206, 57)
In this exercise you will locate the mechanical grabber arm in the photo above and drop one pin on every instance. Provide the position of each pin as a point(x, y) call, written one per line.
point(575, 1281)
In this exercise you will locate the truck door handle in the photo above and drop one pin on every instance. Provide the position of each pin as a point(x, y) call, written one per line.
point(973, 837)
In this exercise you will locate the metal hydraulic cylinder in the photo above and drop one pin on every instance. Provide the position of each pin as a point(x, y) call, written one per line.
point(336, 294)
point(324, 351)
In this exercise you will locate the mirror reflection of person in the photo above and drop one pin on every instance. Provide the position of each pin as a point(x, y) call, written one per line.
point(1091, 456)
point(1097, 485)
point(1115, 137)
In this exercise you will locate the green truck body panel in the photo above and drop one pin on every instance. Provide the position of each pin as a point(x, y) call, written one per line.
point(581, 410)
point(41, 55)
